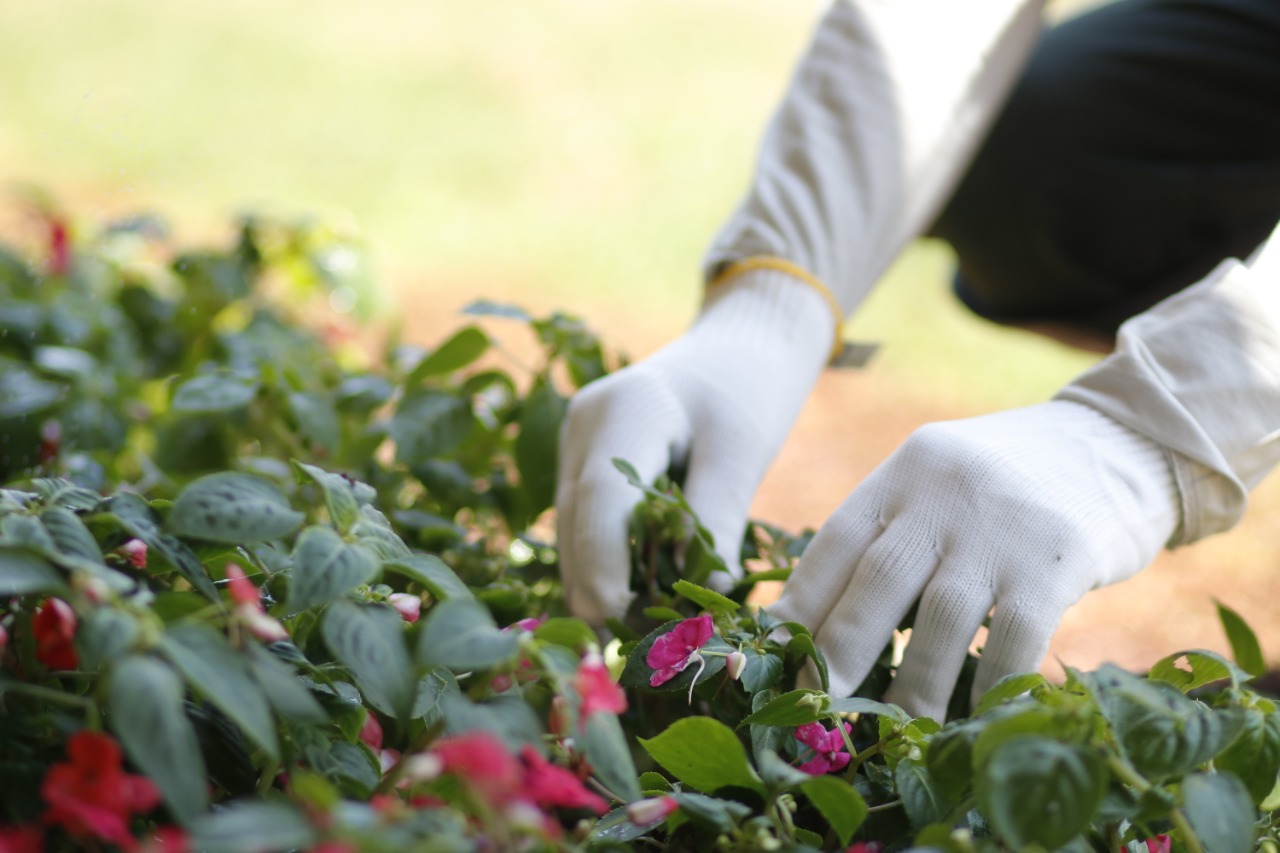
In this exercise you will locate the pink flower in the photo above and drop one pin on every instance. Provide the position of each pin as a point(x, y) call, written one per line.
point(91, 797)
point(483, 761)
point(4, 639)
point(135, 551)
point(865, 847)
point(597, 688)
point(674, 650)
point(531, 624)
point(54, 627)
point(1159, 844)
point(249, 610)
point(59, 247)
point(167, 839)
point(828, 746)
point(549, 785)
point(50, 441)
point(408, 606)
point(652, 810)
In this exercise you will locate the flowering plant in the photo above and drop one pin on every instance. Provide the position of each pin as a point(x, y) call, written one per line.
point(261, 593)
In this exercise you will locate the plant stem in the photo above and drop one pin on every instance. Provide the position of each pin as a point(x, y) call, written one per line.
point(884, 807)
point(1126, 774)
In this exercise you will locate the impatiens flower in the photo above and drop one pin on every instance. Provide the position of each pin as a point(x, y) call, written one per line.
point(408, 606)
point(828, 747)
point(166, 839)
point(597, 688)
point(91, 797)
point(50, 441)
point(334, 847)
point(54, 627)
point(371, 732)
point(674, 650)
point(734, 664)
point(21, 839)
point(249, 610)
point(59, 247)
point(4, 639)
point(652, 810)
point(865, 847)
point(482, 760)
point(549, 785)
point(1159, 844)
point(135, 551)
point(531, 624)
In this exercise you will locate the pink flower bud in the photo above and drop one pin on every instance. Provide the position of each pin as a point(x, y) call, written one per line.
point(408, 606)
point(242, 590)
point(371, 732)
point(135, 551)
point(260, 625)
point(91, 587)
point(734, 664)
point(652, 810)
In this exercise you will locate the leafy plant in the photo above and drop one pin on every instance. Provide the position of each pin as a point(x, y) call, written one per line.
point(261, 592)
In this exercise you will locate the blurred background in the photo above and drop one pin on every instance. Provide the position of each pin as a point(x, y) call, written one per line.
point(560, 154)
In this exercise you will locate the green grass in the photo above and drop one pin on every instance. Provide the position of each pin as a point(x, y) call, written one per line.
point(571, 151)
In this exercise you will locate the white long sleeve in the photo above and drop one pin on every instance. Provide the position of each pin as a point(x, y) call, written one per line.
point(882, 116)
point(1200, 374)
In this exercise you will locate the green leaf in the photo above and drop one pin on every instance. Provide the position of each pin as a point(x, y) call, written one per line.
point(791, 709)
point(284, 691)
point(325, 567)
point(950, 757)
point(253, 826)
point(179, 555)
point(761, 672)
point(862, 705)
point(1244, 643)
point(723, 815)
point(803, 644)
point(566, 631)
point(213, 393)
point(704, 754)
point(1202, 667)
point(605, 746)
point(1007, 688)
point(707, 599)
point(1254, 755)
point(232, 508)
point(106, 634)
point(464, 347)
point(145, 699)
point(431, 572)
point(461, 635)
point(1037, 791)
point(537, 446)
point(369, 641)
point(339, 498)
point(317, 419)
point(23, 572)
point(1220, 812)
point(777, 774)
point(922, 798)
point(508, 717)
point(430, 424)
point(838, 802)
point(488, 308)
point(70, 535)
point(211, 666)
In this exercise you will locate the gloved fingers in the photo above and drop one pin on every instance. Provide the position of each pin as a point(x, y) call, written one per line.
point(951, 611)
point(724, 470)
point(1024, 622)
point(594, 501)
point(812, 593)
point(888, 578)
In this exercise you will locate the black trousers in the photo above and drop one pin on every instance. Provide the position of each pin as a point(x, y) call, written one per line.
point(1140, 148)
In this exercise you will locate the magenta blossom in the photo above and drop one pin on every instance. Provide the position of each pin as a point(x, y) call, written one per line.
point(597, 688)
point(828, 747)
point(676, 649)
point(1159, 844)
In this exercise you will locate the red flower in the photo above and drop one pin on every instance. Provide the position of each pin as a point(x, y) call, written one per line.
point(242, 589)
point(531, 624)
point(135, 551)
point(166, 839)
point(21, 839)
point(549, 785)
point(249, 610)
point(482, 760)
point(1159, 844)
point(90, 796)
point(54, 627)
point(59, 247)
point(674, 650)
point(371, 732)
point(597, 688)
point(50, 441)
point(865, 847)
point(828, 746)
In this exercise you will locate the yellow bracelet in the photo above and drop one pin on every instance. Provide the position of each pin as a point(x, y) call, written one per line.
point(798, 273)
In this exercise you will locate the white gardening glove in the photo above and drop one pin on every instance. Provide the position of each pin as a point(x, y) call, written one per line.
point(718, 400)
point(1025, 510)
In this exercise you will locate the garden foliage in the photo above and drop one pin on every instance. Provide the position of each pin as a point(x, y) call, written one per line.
point(261, 593)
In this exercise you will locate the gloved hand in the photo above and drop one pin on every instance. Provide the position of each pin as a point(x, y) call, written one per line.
point(1026, 510)
point(719, 400)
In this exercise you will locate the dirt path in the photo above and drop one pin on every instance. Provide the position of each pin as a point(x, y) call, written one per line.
point(855, 419)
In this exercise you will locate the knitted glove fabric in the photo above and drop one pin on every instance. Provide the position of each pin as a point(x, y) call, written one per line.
point(1025, 510)
point(718, 401)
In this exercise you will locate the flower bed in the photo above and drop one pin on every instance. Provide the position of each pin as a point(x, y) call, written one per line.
point(260, 595)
